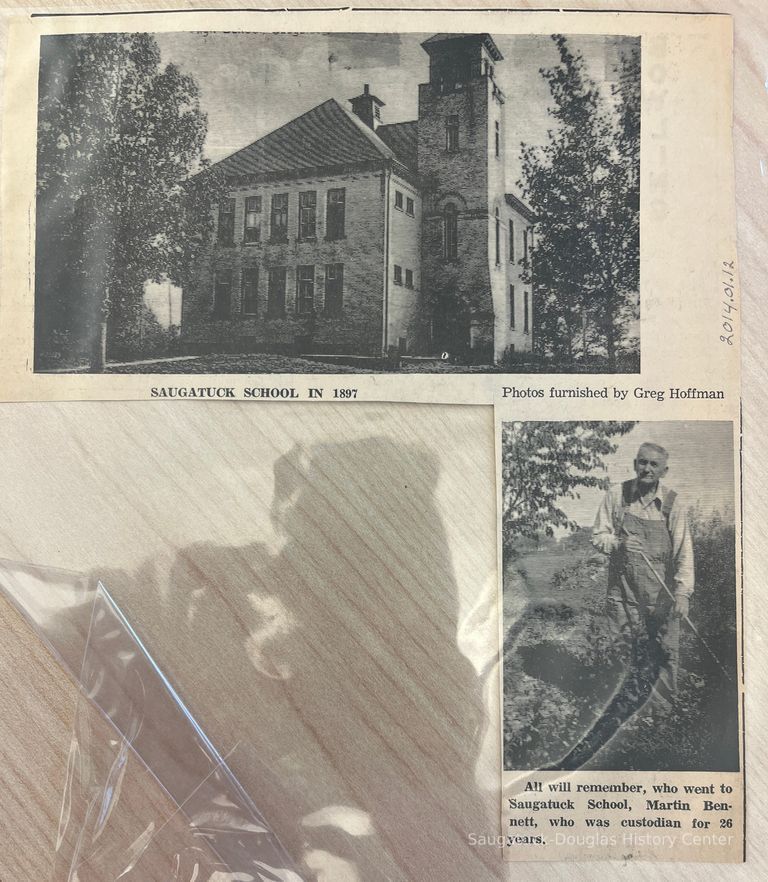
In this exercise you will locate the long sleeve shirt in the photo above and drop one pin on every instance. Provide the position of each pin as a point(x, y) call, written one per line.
point(605, 533)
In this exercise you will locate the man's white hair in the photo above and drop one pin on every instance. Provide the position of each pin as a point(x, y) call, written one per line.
point(657, 448)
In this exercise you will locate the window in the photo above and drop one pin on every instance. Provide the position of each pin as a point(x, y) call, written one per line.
point(398, 275)
point(452, 134)
point(305, 290)
point(250, 287)
point(511, 241)
point(512, 306)
point(308, 214)
point(409, 278)
point(498, 238)
point(334, 214)
point(276, 291)
point(409, 206)
point(227, 222)
point(526, 311)
point(278, 223)
point(222, 294)
point(334, 289)
point(497, 139)
point(398, 200)
point(525, 247)
point(450, 231)
point(252, 222)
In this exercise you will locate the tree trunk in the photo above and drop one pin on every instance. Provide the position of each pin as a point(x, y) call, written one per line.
point(99, 350)
point(570, 335)
point(99, 343)
point(610, 348)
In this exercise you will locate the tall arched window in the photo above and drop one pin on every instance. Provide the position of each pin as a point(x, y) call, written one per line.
point(498, 237)
point(450, 231)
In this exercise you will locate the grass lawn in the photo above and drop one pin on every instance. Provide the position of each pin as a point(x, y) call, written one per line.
point(265, 363)
point(270, 363)
point(563, 667)
point(254, 363)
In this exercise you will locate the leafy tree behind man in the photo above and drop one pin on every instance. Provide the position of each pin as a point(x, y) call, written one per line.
point(546, 462)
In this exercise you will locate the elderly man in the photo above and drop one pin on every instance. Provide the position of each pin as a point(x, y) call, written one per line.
point(644, 529)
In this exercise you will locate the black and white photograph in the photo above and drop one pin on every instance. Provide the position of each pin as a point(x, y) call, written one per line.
point(300, 203)
point(619, 597)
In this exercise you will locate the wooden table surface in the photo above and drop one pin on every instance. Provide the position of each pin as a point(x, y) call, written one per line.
point(354, 679)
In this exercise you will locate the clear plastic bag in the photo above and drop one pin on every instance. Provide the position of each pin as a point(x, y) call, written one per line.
point(341, 663)
point(129, 723)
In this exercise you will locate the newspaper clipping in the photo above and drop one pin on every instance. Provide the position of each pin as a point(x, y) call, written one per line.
point(531, 211)
point(355, 206)
point(621, 657)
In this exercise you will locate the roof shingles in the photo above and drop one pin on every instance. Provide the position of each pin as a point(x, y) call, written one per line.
point(325, 136)
point(402, 138)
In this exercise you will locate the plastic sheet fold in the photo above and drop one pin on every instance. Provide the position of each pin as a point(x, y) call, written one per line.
point(130, 723)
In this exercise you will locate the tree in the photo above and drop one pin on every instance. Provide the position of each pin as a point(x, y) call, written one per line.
point(544, 462)
point(118, 139)
point(627, 93)
point(583, 185)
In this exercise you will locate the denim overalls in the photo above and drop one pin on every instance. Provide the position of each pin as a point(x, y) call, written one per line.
point(638, 605)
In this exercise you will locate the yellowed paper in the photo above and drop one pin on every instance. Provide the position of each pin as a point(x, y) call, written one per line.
point(404, 269)
point(622, 678)
point(622, 715)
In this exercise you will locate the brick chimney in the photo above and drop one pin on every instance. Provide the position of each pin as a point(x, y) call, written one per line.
point(367, 107)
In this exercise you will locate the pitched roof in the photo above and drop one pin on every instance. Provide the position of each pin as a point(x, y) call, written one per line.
point(520, 207)
point(485, 39)
point(402, 139)
point(326, 135)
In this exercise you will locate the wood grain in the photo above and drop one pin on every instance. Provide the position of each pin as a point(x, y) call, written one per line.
point(314, 577)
